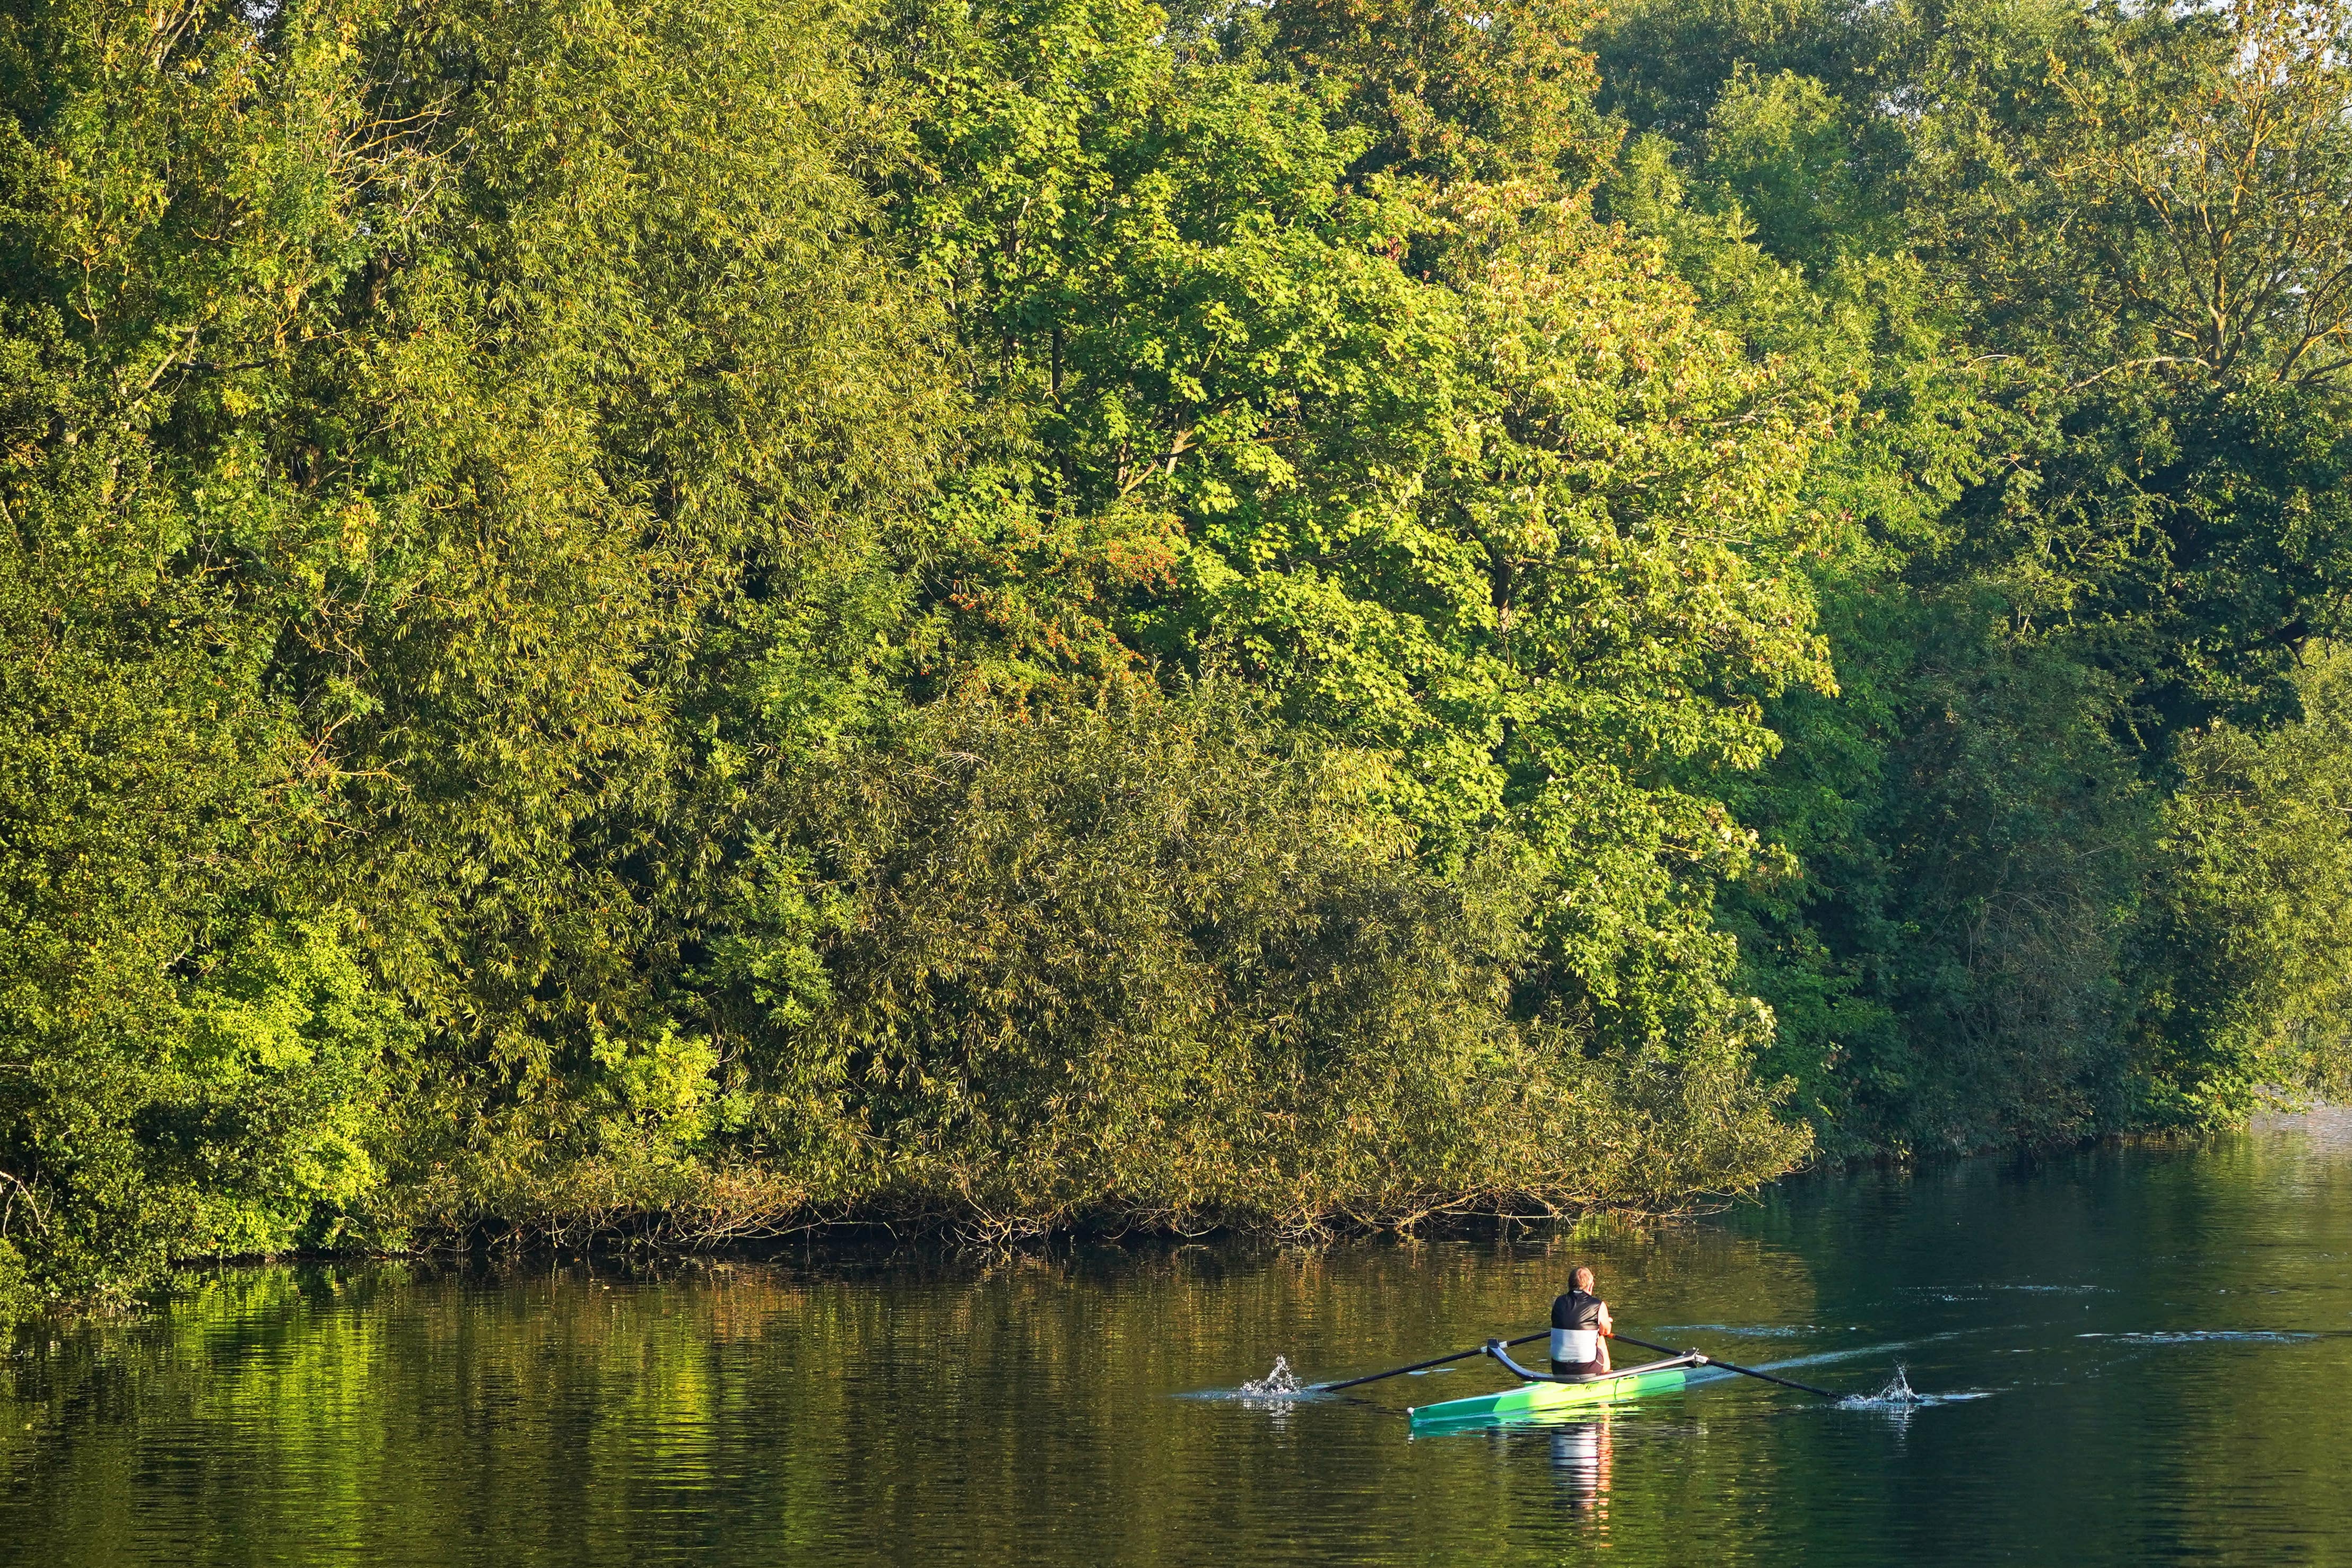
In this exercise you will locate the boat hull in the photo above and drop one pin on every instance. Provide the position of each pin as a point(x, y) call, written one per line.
point(1537, 1401)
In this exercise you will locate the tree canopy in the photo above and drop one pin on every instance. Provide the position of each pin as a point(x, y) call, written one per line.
point(1056, 612)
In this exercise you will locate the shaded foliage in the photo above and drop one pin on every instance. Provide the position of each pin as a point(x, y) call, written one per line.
point(1133, 959)
point(2096, 514)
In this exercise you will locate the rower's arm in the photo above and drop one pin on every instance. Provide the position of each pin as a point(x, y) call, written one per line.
point(1607, 1326)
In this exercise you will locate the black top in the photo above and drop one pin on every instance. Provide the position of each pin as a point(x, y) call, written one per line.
point(1577, 1310)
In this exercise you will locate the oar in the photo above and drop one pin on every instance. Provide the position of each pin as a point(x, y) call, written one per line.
point(1783, 1382)
point(1419, 1365)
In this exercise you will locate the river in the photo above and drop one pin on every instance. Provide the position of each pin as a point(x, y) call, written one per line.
point(2138, 1355)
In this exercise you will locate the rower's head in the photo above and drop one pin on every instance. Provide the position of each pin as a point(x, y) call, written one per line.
point(1581, 1279)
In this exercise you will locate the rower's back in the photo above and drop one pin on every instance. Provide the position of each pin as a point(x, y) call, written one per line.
point(1579, 1320)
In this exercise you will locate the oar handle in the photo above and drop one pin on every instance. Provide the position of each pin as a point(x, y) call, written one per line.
point(1728, 1366)
point(1417, 1366)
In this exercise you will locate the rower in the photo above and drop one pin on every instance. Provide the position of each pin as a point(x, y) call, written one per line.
point(1580, 1330)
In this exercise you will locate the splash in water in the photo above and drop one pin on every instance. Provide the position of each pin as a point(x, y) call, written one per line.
point(1280, 1383)
point(1898, 1390)
point(1898, 1395)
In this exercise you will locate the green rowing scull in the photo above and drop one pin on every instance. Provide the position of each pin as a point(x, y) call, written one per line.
point(1540, 1395)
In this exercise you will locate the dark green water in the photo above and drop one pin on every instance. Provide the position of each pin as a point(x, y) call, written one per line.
point(2128, 1316)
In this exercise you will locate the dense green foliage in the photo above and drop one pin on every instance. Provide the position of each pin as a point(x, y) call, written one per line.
point(1051, 610)
point(2088, 267)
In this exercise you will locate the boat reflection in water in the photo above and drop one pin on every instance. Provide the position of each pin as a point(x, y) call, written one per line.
point(1580, 1456)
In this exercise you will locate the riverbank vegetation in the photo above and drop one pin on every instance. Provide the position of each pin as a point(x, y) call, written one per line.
point(1034, 613)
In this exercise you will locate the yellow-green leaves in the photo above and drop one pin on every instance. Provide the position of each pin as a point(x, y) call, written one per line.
point(1448, 471)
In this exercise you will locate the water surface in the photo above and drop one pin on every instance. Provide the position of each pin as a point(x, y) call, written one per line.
point(2157, 1337)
